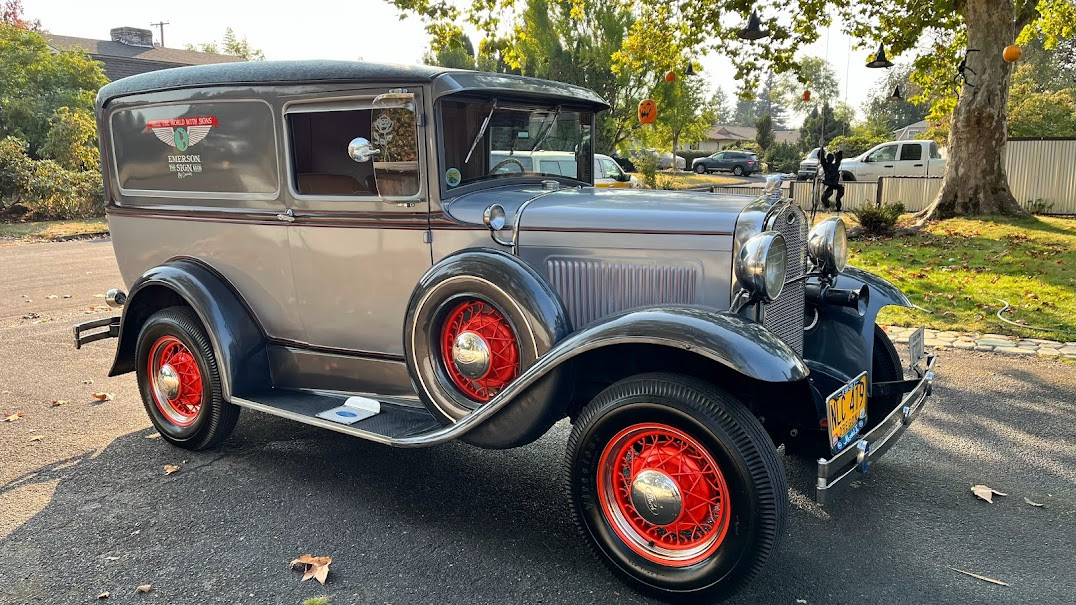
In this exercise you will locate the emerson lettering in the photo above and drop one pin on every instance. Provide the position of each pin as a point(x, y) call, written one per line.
point(185, 158)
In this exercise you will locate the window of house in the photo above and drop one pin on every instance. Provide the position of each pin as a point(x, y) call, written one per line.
point(911, 151)
point(323, 166)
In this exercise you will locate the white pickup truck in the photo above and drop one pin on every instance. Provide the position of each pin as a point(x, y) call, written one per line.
point(896, 158)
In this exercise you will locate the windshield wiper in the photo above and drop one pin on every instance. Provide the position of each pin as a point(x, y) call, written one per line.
point(481, 131)
point(545, 133)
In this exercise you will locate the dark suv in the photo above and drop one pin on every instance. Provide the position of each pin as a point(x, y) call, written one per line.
point(740, 163)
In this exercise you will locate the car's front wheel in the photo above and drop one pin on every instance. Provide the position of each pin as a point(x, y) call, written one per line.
point(700, 168)
point(676, 485)
point(179, 379)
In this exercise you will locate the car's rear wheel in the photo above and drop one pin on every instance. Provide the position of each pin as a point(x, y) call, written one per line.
point(737, 170)
point(179, 380)
point(676, 485)
point(700, 168)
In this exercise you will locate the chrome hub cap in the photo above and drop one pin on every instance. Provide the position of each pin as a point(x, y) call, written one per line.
point(470, 354)
point(656, 496)
point(168, 382)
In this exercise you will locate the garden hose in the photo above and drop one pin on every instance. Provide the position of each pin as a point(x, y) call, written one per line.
point(1019, 325)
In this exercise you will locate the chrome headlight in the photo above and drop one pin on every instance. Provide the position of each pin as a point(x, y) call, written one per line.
point(762, 265)
point(827, 245)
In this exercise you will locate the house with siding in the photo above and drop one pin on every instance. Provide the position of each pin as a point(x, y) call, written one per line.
point(131, 51)
point(720, 136)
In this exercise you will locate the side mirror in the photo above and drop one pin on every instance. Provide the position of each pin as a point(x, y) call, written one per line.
point(361, 150)
point(624, 177)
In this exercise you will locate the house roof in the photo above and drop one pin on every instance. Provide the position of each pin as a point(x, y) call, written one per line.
point(122, 60)
point(725, 132)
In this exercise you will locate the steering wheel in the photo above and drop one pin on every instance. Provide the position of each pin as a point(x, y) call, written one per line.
point(502, 163)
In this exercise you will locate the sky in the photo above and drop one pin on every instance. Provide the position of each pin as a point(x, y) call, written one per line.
point(356, 29)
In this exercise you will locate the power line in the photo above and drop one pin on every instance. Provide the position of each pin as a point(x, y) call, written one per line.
point(160, 25)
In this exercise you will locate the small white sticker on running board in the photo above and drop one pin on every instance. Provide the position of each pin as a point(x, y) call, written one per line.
point(353, 410)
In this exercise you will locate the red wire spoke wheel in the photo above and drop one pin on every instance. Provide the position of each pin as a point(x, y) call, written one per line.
point(175, 381)
point(663, 494)
point(479, 349)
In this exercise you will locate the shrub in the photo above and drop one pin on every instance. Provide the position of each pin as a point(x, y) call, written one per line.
point(783, 157)
point(879, 220)
point(1039, 206)
point(647, 164)
point(693, 154)
point(855, 144)
point(43, 189)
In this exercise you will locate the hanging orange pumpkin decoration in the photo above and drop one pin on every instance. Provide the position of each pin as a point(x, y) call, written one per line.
point(1011, 53)
point(648, 111)
point(806, 96)
point(670, 76)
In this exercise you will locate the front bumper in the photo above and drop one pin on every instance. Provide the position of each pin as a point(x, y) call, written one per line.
point(858, 455)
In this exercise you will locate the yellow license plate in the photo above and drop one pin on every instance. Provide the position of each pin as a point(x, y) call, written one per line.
point(847, 409)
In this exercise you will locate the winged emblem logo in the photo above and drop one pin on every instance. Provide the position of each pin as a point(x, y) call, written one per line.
point(182, 133)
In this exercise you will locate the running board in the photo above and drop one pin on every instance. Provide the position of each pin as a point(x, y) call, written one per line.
point(395, 424)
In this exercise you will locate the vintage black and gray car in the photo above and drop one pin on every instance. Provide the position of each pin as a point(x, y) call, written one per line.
point(413, 255)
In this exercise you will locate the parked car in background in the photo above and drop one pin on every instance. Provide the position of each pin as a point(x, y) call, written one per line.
point(895, 158)
point(808, 167)
point(740, 163)
point(609, 174)
point(665, 162)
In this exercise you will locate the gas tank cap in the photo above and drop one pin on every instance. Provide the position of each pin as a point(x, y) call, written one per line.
point(550, 185)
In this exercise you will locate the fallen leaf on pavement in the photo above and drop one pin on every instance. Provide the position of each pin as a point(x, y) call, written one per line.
point(58, 402)
point(102, 396)
point(112, 558)
point(51, 296)
point(103, 595)
point(986, 493)
point(88, 381)
point(67, 296)
point(13, 417)
point(978, 577)
point(170, 468)
point(152, 436)
point(144, 588)
point(36, 438)
point(315, 567)
point(1035, 504)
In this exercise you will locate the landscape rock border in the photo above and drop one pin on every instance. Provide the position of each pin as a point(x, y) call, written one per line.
point(996, 343)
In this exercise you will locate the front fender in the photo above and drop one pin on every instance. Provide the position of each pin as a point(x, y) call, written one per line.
point(842, 339)
point(237, 339)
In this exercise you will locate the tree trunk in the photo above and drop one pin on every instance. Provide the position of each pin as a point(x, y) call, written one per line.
point(975, 180)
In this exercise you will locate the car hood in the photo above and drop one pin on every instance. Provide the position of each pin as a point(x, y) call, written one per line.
point(587, 209)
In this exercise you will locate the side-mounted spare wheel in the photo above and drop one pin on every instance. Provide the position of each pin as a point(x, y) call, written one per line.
point(676, 485)
point(179, 379)
point(475, 322)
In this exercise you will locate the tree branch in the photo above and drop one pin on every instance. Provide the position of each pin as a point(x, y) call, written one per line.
point(1026, 13)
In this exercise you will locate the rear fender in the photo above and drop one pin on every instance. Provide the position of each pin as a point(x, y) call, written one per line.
point(237, 339)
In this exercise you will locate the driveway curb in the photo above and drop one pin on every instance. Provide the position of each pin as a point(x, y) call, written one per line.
point(996, 343)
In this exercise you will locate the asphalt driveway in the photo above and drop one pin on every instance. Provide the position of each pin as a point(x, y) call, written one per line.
point(87, 508)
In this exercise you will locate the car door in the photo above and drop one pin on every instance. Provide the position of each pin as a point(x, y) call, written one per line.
point(880, 162)
point(359, 240)
point(719, 161)
point(910, 162)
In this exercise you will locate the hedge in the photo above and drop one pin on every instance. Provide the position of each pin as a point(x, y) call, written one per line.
point(43, 189)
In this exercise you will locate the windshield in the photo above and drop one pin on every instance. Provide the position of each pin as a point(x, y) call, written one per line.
point(491, 139)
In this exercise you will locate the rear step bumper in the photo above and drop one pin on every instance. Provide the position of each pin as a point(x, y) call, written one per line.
point(113, 331)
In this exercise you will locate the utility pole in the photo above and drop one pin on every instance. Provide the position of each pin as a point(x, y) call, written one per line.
point(160, 25)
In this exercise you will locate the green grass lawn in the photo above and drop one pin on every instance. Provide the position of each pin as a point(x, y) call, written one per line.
point(47, 230)
point(959, 268)
point(687, 180)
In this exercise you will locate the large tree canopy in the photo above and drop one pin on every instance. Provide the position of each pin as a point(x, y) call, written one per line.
point(933, 32)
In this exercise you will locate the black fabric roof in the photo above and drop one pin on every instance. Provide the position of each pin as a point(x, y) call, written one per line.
point(280, 72)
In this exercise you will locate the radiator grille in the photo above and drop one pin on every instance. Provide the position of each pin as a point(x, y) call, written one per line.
point(592, 289)
point(784, 316)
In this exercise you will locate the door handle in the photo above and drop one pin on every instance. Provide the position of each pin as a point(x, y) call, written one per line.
point(917, 165)
point(887, 166)
point(288, 216)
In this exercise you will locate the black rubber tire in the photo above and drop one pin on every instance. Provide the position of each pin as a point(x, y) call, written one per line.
point(747, 458)
point(737, 170)
point(700, 168)
point(885, 367)
point(848, 177)
point(217, 417)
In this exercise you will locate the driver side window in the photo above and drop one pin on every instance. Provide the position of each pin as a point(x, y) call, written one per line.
point(885, 154)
